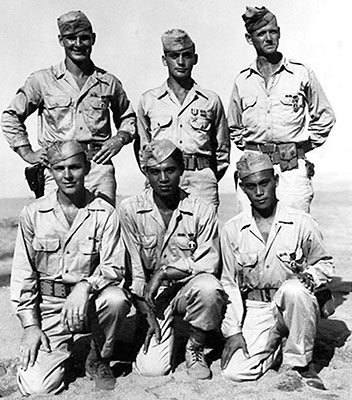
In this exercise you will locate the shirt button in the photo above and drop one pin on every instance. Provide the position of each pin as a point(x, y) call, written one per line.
point(267, 266)
point(67, 252)
point(180, 141)
point(80, 128)
point(268, 111)
point(181, 125)
point(164, 255)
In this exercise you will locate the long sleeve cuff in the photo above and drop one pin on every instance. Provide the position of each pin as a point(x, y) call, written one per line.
point(28, 318)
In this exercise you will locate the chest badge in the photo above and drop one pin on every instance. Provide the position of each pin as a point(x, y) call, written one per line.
point(192, 244)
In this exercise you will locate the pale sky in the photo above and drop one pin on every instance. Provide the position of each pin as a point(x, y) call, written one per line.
point(128, 45)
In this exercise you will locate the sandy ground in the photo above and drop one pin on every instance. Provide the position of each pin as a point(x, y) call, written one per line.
point(333, 354)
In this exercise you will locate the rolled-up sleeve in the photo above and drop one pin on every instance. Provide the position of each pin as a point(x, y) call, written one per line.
point(232, 322)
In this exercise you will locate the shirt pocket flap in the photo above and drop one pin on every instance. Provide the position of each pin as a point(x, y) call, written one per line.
point(292, 258)
point(247, 260)
point(98, 103)
point(89, 246)
point(200, 123)
point(46, 244)
point(248, 102)
point(182, 242)
point(58, 102)
point(163, 121)
point(147, 241)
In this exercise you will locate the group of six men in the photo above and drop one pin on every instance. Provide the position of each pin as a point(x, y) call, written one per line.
point(73, 248)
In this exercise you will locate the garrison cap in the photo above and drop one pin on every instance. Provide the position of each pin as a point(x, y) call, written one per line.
point(175, 40)
point(255, 18)
point(60, 151)
point(156, 152)
point(73, 22)
point(250, 163)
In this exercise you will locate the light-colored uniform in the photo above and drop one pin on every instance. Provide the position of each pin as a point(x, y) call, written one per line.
point(248, 262)
point(276, 112)
point(47, 248)
point(198, 127)
point(66, 112)
point(190, 243)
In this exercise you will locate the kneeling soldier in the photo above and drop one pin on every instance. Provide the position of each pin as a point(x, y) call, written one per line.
point(66, 263)
point(274, 260)
point(173, 244)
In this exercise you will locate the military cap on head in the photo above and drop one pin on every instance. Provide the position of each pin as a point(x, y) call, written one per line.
point(73, 22)
point(255, 18)
point(60, 151)
point(175, 40)
point(156, 152)
point(250, 163)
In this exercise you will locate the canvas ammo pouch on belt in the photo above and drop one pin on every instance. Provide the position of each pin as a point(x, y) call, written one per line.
point(287, 155)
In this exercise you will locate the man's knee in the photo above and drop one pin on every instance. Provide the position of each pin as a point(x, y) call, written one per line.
point(146, 365)
point(293, 290)
point(241, 370)
point(114, 298)
point(40, 382)
point(207, 289)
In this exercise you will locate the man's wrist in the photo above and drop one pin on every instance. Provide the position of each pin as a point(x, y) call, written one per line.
point(124, 137)
point(86, 284)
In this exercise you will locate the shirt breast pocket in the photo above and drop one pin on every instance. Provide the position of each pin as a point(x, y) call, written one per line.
point(249, 274)
point(159, 124)
point(292, 260)
point(47, 254)
point(291, 109)
point(200, 124)
point(148, 245)
point(59, 112)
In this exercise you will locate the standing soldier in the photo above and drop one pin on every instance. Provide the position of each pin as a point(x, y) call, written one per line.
point(269, 105)
point(191, 117)
point(73, 100)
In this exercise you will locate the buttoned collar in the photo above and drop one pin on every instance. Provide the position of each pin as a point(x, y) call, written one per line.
point(147, 203)
point(164, 90)
point(284, 65)
point(60, 70)
point(282, 217)
point(50, 202)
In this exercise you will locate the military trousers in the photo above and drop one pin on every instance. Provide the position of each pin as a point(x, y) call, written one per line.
point(293, 314)
point(47, 374)
point(200, 302)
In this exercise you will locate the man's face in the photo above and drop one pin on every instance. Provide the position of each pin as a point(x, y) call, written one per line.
point(180, 63)
point(260, 188)
point(266, 39)
point(78, 46)
point(69, 174)
point(164, 178)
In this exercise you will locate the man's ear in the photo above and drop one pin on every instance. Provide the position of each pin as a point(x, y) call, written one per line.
point(240, 184)
point(277, 179)
point(94, 38)
point(163, 60)
point(60, 40)
point(195, 59)
point(248, 38)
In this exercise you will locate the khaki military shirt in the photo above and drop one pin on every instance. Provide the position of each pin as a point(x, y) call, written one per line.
point(277, 111)
point(47, 247)
point(64, 111)
point(197, 127)
point(294, 243)
point(190, 243)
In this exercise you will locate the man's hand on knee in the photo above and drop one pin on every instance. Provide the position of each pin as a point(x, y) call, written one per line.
point(74, 311)
point(153, 329)
point(32, 338)
point(232, 344)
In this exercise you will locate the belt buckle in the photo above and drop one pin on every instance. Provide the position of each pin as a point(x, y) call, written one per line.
point(269, 148)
